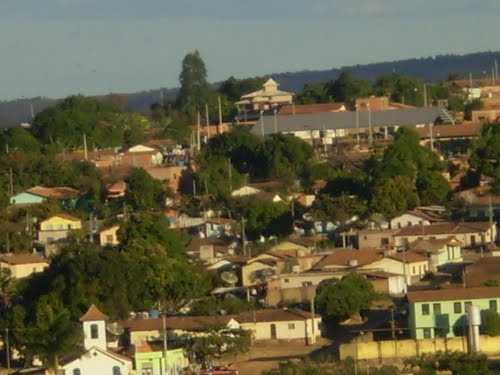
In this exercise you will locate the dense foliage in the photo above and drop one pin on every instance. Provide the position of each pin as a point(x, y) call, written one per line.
point(342, 298)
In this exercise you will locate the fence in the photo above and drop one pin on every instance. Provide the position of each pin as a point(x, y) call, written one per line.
point(381, 350)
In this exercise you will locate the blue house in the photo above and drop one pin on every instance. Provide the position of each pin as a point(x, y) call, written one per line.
point(39, 194)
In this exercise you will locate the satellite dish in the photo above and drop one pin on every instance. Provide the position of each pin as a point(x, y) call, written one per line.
point(229, 277)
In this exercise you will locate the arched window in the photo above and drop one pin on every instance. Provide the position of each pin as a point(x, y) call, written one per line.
point(94, 331)
point(116, 370)
point(77, 371)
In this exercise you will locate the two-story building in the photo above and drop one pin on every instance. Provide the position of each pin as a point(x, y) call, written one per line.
point(56, 228)
point(443, 312)
point(470, 234)
point(439, 252)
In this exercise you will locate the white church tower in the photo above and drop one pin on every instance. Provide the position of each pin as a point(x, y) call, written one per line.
point(94, 328)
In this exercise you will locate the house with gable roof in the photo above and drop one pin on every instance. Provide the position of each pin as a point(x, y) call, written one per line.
point(438, 251)
point(66, 196)
point(22, 265)
point(96, 357)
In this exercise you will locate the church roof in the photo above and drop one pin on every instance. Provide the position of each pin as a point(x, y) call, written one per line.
point(93, 314)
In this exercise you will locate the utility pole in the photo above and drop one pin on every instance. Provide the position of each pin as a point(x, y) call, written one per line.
point(165, 343)
point(431, 136)
point(220, 112)
point(230, 173)
point(7, 348)
point(194, 187)
point(91, 221)
point(490, 209)
point(198, 143)
point(370, 125)
point(313, 328)
point(357, 126)
point(425, 94)
point(262, 122)
point(11, 182)
point(85, 146)
point(275, 122)
point(207, 121)
point(243, 236)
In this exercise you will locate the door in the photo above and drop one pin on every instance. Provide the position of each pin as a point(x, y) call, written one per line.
point(473, 240)
point(273, 332)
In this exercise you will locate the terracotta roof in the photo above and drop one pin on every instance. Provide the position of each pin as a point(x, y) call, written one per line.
point(433, 245)
point(482, 270)
point(450, 131)
point(274, 315)
point(453, 294)
point(187, 323)
point(443, 228)
point(297, 109)
point(344, 256)
point(18, 259)
point(304, 241)
point(117, 187)
point(59, 192)
point(221, 245)
point(410, 257)
point(93, 314)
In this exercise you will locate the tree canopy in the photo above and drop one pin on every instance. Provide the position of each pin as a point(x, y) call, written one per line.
point(342, 298)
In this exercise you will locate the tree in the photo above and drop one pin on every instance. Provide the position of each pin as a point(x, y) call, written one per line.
point(214, 175)
point(313, 93)
point(338, 209)
point(52, 334)
point(490, 322)
point(219, 341)
point(432, 188)
point(143, 191)
point(393, 196)
point(486, 153)
point(346, 89)
point(345, 297)
point(194, 86)
point(265, 218)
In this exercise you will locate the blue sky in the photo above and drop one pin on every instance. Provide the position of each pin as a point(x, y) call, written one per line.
point(56, 48)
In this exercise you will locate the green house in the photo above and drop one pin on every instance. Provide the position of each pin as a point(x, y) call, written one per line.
point(443, 312)
point(148, 361)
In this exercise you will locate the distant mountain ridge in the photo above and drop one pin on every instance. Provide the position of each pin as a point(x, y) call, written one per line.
point(429, 69)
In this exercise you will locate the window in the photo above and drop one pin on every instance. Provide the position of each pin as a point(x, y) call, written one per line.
point(287, 280)
point(457, 307)
point(94, 331)
point(425, 309)
point(116, 370)
point(69, 226)
point(77, 371)
point(409, 223)
point(427, 333)
point(384, 241)
point(437, 308)
point(493, 305)
point(291, 326)
point(414, 270)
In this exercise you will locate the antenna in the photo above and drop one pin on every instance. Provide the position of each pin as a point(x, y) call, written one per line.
point(229, 277)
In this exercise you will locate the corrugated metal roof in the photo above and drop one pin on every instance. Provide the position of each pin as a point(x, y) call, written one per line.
point(347, 120)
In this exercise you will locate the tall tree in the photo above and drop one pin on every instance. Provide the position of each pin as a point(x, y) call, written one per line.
point(143, 191)
point(194, 86)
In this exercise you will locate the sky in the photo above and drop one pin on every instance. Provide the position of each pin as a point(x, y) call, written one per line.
point(56, 48)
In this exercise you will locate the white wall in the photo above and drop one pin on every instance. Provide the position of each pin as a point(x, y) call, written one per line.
point(407, 220)
point(286, 330)
point(95, 362)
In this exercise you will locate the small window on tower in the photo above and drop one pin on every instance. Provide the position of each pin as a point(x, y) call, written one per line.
point(94, 331)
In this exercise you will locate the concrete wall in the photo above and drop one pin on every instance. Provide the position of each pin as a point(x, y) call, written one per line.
point(381, 350)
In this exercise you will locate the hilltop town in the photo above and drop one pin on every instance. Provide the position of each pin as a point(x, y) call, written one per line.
point(233, 228)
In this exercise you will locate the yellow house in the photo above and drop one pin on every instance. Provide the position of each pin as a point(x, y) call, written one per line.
point(22, 265)
point(258, 271)
point(56, 228)
point(108, 236)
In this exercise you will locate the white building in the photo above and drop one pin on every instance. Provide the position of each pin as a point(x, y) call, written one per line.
point(96, 358)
